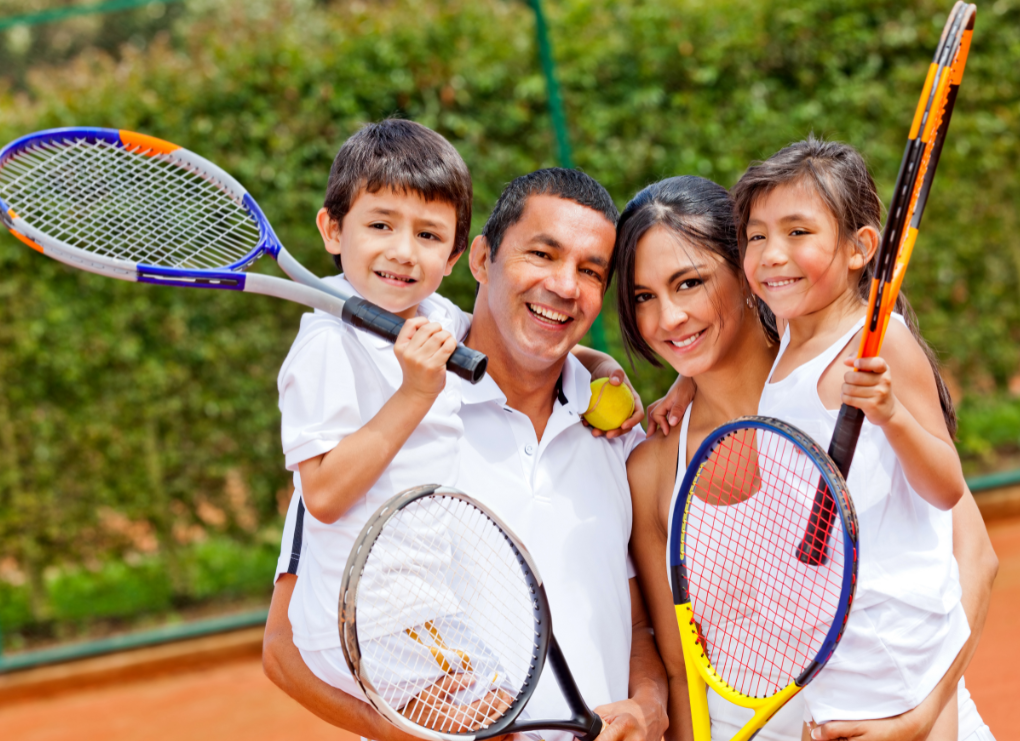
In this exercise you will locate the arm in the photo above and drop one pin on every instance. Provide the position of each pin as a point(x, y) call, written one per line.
point(978, 566)
point(911, 417)
point(332, 482)
point(651, 470)
point(284, 666)
point(642, 717)
point(602, 365)
point(667, 412)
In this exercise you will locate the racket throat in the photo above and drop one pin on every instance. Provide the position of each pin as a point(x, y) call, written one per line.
point(584, 724)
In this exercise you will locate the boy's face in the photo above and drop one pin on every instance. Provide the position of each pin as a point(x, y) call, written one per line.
point(395, 247)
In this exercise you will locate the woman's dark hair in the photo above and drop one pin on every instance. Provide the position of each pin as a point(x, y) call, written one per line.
point(695, 208)
point(840, 176)
point(407, 157)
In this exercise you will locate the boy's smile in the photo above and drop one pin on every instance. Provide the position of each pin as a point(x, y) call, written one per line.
point(396, 247)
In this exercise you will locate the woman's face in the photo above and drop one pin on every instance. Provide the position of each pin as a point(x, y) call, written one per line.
point(690, 305)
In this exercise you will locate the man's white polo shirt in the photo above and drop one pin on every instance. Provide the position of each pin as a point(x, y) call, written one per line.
point(567, 498)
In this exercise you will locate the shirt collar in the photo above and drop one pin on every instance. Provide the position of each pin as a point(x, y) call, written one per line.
point(428, 308)
point(573, 389)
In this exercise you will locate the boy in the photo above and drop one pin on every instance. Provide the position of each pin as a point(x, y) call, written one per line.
point(364, 419)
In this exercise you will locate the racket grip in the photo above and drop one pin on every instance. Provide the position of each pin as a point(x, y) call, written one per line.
point(467, 363)
point(812, 550)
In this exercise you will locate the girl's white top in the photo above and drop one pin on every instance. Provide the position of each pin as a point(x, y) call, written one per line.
point(906, 624)
point(333, 381)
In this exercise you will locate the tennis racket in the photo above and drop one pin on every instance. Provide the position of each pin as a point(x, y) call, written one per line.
point(445, 624)
point(137, 208)
point(757, 624)
point(910, 195)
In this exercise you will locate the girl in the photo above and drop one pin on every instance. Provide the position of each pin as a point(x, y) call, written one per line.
point(808, 222)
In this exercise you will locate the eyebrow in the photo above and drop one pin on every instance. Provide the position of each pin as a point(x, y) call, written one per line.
point(679, 274)
point(784, 220)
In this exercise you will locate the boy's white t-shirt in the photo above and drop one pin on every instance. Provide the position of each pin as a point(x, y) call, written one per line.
point(334, 380)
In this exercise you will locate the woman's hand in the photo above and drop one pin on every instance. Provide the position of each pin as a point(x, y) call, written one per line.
point(667, 412)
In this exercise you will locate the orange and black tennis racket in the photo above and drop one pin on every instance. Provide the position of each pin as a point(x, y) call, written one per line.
point(913, 184)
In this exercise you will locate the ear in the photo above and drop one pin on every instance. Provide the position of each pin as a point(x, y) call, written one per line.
point(867, 245)
point(330, 231)
point(452, 261)
point(479, 259)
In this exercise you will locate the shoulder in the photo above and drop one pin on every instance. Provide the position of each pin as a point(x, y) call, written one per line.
point(321, 346)
point(651, 465)
point(904, 354)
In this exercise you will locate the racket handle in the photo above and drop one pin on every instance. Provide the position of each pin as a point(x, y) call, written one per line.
point(467, 363)
point(813, 548)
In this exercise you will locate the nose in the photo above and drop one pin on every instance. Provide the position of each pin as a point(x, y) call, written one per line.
point(772, 253)
point(671, 315)
point(401, 248)
point(562, 280)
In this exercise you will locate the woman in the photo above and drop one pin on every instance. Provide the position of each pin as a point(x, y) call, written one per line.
point(682, 298)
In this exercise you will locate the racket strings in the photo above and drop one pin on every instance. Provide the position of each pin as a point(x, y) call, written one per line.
point(118, 203)
point(763, 614)
point(445, 617)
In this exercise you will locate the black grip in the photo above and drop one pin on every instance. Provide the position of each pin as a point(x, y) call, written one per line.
point(467, 363)
point(813, 548)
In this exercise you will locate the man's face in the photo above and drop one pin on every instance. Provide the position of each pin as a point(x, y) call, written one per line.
point(545, 287)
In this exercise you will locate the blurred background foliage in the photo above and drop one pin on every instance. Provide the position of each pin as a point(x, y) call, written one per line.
point(140, 469)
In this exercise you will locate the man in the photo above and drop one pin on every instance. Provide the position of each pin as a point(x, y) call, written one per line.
point(542, 262)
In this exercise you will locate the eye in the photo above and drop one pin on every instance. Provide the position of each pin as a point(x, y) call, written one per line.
point(640, 298)
point(799, 232)
point(429, 235)
point(378, 225)
point(686, 285)
point(540, 253)
point(755, 237)
point(593, 273)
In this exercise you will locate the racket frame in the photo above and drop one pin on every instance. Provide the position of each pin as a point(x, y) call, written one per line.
point(584, 724)
point(305, 287)
point(700, 672)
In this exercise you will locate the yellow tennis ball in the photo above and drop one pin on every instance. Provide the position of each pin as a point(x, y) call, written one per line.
point(610, 405)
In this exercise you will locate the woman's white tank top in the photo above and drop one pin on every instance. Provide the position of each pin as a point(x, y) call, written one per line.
point(727, 718)
point(906, 625)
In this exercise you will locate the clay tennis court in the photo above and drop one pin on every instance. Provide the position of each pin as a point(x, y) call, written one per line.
point(214, 688)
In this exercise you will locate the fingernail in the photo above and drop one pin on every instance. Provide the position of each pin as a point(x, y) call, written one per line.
point(673, 420)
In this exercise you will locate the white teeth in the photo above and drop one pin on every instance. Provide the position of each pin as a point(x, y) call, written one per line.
point(392, 276)
point(689, 341)
point(552, 316)
point(780, 283)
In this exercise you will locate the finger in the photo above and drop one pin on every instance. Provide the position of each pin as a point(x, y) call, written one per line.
point(635, 419)
point(862, 379)
point(617, 377)
point(409, 329)
point(833, 731)
point(871, 365)
point(676, 413)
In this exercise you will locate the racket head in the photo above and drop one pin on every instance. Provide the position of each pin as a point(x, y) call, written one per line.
point(917, 172)
point(131, 206)
point(435, 586)
point(763, 621)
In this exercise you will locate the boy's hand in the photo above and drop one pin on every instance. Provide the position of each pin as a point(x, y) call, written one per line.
point(422, 349)
point(869, 388)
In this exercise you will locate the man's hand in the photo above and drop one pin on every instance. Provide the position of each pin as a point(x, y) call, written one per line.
point(626, 721)
point(436, 702)
point(911, 726)
point(618, 377)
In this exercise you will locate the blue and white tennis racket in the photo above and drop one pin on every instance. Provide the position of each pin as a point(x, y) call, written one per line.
point(130, 206)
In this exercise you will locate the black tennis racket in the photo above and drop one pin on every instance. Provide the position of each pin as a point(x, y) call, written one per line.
point(758, 624)
point(445, 624)
point(130, 206)
point(910, 195)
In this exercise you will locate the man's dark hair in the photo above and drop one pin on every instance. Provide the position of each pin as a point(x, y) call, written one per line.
point(573, 185)
point(407, 157)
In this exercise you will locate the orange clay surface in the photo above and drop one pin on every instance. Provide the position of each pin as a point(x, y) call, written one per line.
point(236, 701)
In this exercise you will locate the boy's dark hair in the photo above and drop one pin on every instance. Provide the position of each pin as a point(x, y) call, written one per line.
point(840, 176)
point(693, 208)
point(407, 157)
point(573, 185)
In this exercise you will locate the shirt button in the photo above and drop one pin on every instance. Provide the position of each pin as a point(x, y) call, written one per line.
point(529, 449)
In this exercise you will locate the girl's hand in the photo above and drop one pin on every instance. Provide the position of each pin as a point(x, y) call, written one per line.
point(422, 349)
point(869, 388)
point(669, 410)
point(617, 377)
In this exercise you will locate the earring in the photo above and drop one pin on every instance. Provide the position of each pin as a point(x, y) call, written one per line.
point(750, 302)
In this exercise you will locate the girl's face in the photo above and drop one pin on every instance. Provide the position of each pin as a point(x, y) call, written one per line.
point(690, 304)
point(793, 259)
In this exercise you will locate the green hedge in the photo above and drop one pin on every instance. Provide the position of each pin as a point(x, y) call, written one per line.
point(159, 405)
